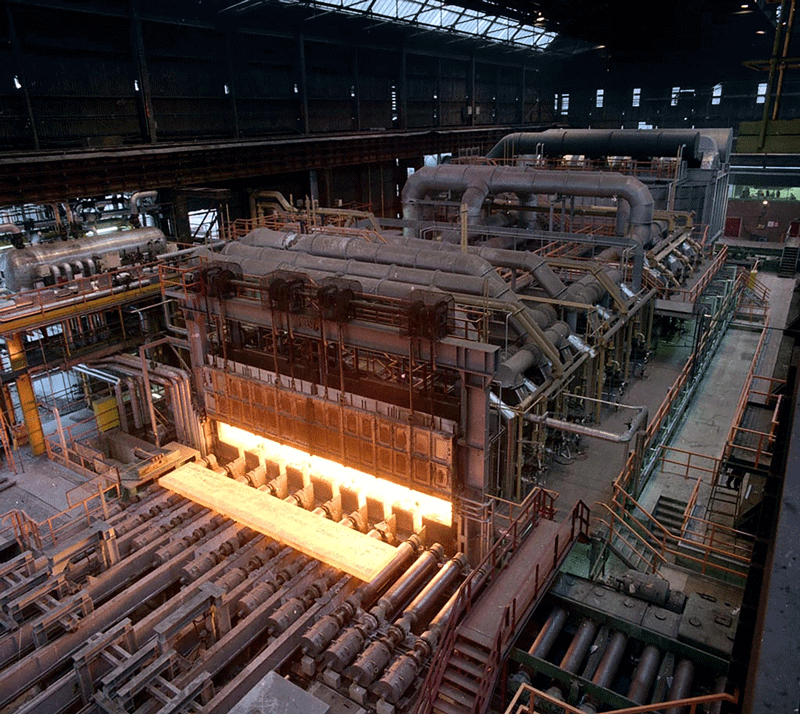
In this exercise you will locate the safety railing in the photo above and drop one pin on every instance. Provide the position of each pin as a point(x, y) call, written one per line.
point(80, 291)
point(666, 404)
point(704, 471)
point(665, 168)
point(68, 446)
point(709, 554)
point(503, 513)
point(530, 700)
point(756, 444)
point(536, 504)
point(184, 280)
point(691, 294)
point(49, 532)
point(240, 227)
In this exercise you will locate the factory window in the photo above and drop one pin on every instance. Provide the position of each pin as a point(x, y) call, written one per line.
point(227, 89)
point(675, 92)
point(204, 225)
point(136, 85)
point(716, 94)
point(599, 101)
point(394, 103)
point(565, 103)
point(761, 97)
point(637, 97)
point(555, 103)
point(17, 83)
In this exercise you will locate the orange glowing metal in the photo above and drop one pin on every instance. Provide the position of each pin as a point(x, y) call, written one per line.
point(368, 486)
point(334, 544)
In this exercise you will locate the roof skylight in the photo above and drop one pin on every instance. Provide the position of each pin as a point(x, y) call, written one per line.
point(442, 16)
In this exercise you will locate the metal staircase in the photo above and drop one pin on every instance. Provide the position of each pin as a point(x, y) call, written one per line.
point(493, 604)
point(789, 256)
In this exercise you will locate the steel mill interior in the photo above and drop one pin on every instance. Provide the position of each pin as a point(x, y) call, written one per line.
point(398, 358)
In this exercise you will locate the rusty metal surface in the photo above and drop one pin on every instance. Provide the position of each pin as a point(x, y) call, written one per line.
point(515, 582)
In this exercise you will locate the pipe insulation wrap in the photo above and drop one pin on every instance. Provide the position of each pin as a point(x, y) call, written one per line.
point(477, 182)
point(20, 267)
point(527, 322)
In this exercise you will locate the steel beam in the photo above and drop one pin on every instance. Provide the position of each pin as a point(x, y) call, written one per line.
point(46, 177)
point(145, 93)
point(16, 49)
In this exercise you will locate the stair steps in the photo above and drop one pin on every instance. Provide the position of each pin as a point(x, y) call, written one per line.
point(461, 680)
point(669, 513)
point(788, 266)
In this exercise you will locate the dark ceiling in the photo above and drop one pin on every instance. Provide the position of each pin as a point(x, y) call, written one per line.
point(713, 36)
point(708, 39)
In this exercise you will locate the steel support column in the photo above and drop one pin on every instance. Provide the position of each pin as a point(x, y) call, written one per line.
point(16, 49)
point(146, 99)
point(231, 83)
point(302, 85)
point(356, 93)
point(403, 90)
point(30, 411)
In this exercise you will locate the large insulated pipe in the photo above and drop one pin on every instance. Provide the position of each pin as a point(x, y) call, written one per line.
point(21, 267)
point(138, 197)
point(412, 252)
point(644, 674)
point(475, 183)
point(536, 265)
point(336, 246)
point(597, 143)
point(385, 287)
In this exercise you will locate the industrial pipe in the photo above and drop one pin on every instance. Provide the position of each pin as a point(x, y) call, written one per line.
point(637, 423)
point(21, 268)
point(477, 182)
point(138, 197)
point(598, 143)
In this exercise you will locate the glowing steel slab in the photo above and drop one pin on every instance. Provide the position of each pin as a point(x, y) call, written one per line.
point(338, 546)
